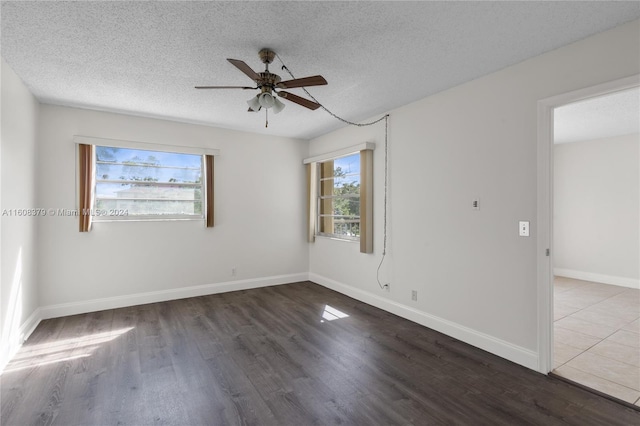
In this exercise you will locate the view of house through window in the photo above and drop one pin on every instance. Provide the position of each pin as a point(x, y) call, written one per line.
point(339, 197)
point(148, 184)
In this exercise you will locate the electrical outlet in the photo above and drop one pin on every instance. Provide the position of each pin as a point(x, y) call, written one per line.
point(524, 228)
point(414, 295)
point(234, 271)
point(475, 204)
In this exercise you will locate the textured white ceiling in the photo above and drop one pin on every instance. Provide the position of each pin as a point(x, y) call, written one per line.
point(606, 116)
point(145, 57)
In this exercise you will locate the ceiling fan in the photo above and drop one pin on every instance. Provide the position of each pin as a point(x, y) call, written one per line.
point(268, 82)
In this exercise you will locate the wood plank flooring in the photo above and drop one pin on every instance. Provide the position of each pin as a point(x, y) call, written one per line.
point(268, 357)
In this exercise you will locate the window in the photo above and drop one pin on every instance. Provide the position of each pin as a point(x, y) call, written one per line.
point(339, 197)
point(142, 184)
point(125, 180)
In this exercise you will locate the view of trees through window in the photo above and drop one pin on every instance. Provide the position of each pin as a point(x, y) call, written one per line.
point(339, 197)
point(148, 183)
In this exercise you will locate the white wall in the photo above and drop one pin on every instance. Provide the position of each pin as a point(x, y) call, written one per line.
point(475, 277)
point(597, 209)
point(18, 289)
point(259, 188)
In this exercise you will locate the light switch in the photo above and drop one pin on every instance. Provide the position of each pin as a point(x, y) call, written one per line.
point(524, 228)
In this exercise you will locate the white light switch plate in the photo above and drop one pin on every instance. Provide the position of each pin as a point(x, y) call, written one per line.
point(524, 228)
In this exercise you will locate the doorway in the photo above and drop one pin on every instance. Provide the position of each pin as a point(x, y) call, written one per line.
point(589, 278)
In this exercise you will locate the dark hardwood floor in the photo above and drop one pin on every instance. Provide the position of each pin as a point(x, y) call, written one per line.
point(268, 357)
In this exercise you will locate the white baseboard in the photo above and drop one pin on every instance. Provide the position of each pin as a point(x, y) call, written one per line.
point(501, 348)
point(598, 278)
point(73, 308)
point(11, 347)
point(483, 341)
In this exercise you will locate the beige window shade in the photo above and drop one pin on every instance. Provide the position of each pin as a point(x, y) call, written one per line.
point(366, 201)
point(312, 181)
point(326, 205)
point(85, 175)
point(208, 165)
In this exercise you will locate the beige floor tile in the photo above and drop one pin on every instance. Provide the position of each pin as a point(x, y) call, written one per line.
point(562, 284)
point(631, 294)
point(596, 292)
point(613, 350)
point(600, 318)
point(614, 309)
point(561, 310)
point(585, 327)
point(563, 353)
point(597, 383)
point(608, 369)
point(578, 300)
point(624, 304)
point(575, 339)
point(624, 337)
point(604, 290)
point(633, 326)
point(602, 321)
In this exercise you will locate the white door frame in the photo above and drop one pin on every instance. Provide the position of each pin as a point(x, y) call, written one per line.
point(545, 207)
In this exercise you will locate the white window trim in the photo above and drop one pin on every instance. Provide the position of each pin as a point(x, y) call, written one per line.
point(318, 198)
point(340, 153)
point(115, 143)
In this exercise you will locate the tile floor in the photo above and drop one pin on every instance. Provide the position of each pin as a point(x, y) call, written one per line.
point(597, 336)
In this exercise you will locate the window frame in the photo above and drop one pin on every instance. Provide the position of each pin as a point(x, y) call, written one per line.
point(321, 198)
point(117, 217)
point(366, 194)
point(205, 185)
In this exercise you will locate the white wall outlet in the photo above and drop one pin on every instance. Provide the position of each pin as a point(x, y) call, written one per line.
point(524, 228)
point(234, 271)
point(475, 204)
point(414, 295)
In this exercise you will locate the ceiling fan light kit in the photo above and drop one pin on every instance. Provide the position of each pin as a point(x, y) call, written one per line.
point(266, 100)
point(254, 103)
point(277, 105)
point(267, 83)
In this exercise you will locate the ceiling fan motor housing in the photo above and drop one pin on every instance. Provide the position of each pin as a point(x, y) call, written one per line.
point(268, 81)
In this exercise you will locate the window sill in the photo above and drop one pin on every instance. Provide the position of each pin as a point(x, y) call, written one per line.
point(346, 240)
point(149, 220)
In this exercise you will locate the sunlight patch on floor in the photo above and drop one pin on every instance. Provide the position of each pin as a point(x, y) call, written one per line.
point(330, 313)
point(61, 350)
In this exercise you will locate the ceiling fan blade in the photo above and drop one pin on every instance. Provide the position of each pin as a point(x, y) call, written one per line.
point(225, 87)
point(316, 80)
point(298, 100)
point(245, 69)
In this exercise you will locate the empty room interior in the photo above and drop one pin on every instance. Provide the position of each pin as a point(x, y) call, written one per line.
point(297, 213)
point(596, 244)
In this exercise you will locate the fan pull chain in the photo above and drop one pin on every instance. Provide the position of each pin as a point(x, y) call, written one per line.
point(285, 68)
point(386, 162)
